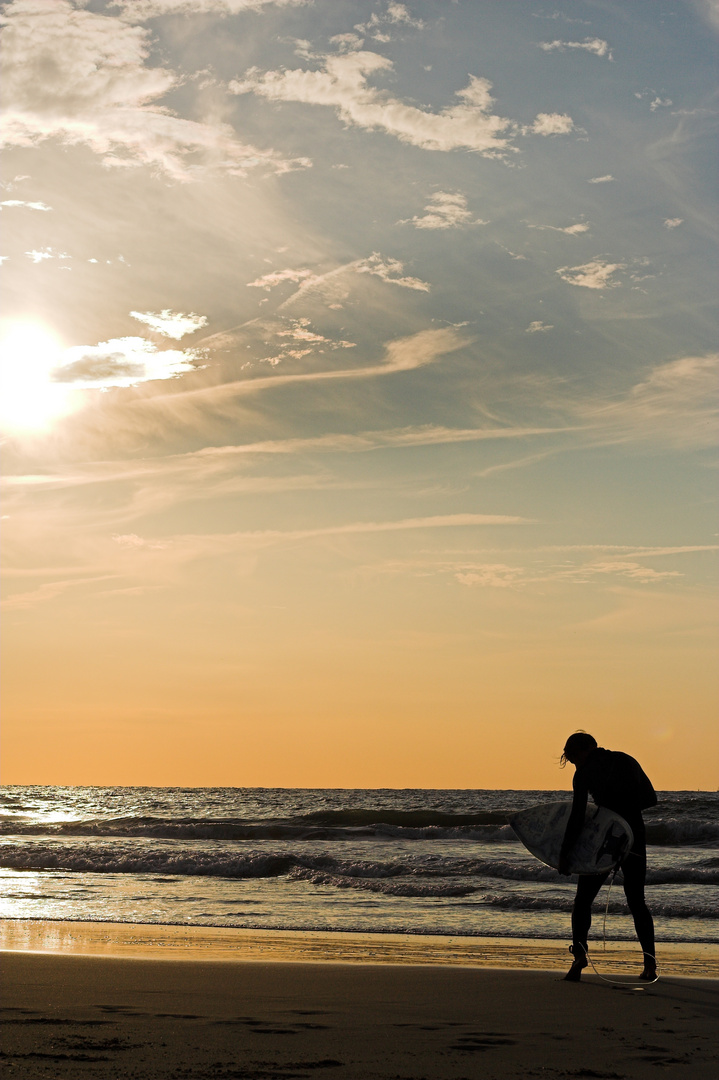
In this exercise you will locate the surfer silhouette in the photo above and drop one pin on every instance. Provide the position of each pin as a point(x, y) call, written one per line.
point(616, 781)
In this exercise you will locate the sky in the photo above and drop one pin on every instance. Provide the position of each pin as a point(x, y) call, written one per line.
point(358, 398)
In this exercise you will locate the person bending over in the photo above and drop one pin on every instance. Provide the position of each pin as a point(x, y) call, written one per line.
point(618, 782)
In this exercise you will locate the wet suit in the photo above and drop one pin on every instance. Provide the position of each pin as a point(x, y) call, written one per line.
point(617, 781)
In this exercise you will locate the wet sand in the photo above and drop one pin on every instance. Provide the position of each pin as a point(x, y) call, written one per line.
point(116, 1010)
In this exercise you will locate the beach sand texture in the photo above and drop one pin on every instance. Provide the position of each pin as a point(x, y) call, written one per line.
point(68, 1016)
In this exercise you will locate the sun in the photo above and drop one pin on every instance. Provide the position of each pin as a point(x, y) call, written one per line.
point(30, 399)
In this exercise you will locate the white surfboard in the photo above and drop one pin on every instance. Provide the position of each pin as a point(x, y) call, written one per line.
point(603, 842)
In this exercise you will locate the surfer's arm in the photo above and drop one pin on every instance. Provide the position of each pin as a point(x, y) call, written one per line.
point(574, 825)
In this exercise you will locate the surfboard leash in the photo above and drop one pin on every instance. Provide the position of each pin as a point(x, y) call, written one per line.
point(640, 984)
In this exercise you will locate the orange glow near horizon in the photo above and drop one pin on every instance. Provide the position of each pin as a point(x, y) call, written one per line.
point(358, 404)
point(419, 716)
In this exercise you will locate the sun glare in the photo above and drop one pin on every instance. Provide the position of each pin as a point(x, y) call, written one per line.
point(29, 398)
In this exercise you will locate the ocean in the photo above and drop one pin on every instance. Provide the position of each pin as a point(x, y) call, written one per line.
point(404, 861)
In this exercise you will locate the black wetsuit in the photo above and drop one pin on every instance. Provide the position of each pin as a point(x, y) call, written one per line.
point(617, 781)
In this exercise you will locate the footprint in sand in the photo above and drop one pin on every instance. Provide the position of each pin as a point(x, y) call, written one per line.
point(482, 1041)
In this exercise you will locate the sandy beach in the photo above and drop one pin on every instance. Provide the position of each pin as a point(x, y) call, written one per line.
point(107, 1002)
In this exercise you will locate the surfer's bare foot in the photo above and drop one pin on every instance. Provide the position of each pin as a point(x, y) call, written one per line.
point(649, 974)
point(580, 962)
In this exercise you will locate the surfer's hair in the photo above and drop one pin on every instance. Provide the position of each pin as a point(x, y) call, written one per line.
point(581, 741)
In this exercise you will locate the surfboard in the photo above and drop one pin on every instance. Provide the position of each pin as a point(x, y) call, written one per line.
point(603, 842)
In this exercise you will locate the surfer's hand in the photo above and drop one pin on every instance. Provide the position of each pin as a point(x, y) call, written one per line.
point(564, 865)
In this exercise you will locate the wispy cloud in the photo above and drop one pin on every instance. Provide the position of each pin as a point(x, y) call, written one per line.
point(133, 488)
point(379, 24)
point(559, 15)
point(673, 223)
point(503, 576)
point(140, 10)
point(38, 256)
point(348, 42)
point(490, 575)
point(26, 205)
point(171, 324)
point(591, 45)
point(132, 557)
point(386, 268)
point(403, 354)
point(608, 179)
point(342, 83)
point(512, 254)
point(538, 327)
point(132, 540)
point(709, 9)
point(301, 340)
point(363, 441)
point(49, 591)
point(333, 287)
point(389, 270)
point(633, 550)
point(192, 546)
point(592, 275)
point(445, 210)
point(676, 403)
point(278, 277)
point(657, 101)
point(440, 521)
point(529, 568)
point(83, 77)
point(42, 254)
point(577, 229)
point(200, 466)
point(634, 570)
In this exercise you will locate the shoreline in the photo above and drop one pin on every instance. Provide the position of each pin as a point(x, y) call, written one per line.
point(163, 942)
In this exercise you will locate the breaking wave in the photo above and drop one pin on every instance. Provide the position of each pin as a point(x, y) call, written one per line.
point(138, 859)
point(485, 826)
point(327, 825)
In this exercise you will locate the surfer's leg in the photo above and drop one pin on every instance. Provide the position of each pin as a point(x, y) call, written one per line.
point(634, 869)
point(588, 886)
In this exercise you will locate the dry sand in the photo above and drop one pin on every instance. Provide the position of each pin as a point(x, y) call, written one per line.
point(105, 1014)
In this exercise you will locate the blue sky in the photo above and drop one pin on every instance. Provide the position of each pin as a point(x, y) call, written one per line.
point(378, 340)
